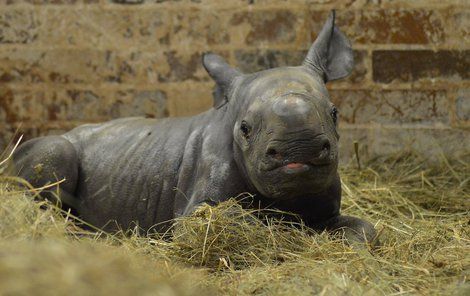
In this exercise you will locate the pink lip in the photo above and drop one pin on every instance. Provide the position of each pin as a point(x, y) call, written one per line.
point(295, 167)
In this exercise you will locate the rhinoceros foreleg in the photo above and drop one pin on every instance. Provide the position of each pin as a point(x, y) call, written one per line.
point(45, 160)
point(353, 229)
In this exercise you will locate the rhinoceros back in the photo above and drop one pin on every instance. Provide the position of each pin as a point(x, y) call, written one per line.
point(128, 169)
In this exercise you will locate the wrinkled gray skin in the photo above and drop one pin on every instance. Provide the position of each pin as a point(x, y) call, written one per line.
point(271, 133)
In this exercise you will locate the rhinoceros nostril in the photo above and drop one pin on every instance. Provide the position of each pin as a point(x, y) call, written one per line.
point(325, 150)
point(326, 147)
point(271, 152)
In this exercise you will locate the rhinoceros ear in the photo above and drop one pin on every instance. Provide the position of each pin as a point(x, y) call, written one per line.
point(331, 54)
point(222, 73)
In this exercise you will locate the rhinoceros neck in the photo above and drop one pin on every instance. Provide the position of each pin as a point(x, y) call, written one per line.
point(311, 208)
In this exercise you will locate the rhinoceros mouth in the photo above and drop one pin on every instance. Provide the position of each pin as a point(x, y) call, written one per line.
point(294, 167)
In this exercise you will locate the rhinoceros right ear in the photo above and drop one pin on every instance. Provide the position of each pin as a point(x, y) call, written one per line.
point(331, 54)
point(222, 73)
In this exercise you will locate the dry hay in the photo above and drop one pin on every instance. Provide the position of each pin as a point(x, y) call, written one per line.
point(421, 212)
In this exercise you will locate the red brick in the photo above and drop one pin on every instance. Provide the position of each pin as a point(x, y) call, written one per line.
point(462, 105)
point(415, 65)
point(58, 66)
point(198, 29)
point(104, 104)
point(187, 99)
point(429, 143)
point(407, 4)
point(106, 28)
point(458, 24)
point(21, 105)
point(94, 67)
point(184, 66)
point(250, 61)
point(262, 27)
point(64, 66)
point(54, 2)
point(202, 3)
point(391, 26)
point(391, 107)
point(18, 26)
point(145, 103)
point(127, 1)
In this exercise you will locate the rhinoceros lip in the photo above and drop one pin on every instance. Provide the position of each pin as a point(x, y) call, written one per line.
point(292, 167)
point(295, 167)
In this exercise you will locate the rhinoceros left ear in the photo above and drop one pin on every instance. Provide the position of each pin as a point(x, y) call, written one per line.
point(222, 73)
point(331, 54)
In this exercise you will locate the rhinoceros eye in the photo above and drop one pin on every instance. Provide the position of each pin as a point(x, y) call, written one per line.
point(334, 114)
point(245, 128)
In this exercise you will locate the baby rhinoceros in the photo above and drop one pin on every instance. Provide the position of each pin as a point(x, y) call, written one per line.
point(272, 133)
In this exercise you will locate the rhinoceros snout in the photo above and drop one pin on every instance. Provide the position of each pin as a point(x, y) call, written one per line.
point(313, 151)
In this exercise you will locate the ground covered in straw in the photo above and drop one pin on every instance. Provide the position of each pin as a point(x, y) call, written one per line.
point(421, 212)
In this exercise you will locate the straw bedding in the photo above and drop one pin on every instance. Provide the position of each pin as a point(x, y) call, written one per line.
point(421, 212)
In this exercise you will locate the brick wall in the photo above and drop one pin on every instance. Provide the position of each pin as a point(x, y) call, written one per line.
point(67, 62)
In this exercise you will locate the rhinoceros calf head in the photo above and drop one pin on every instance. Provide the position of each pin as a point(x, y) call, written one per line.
point(285, 134)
